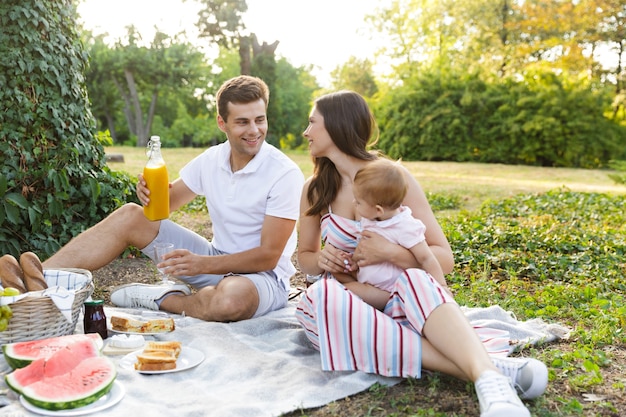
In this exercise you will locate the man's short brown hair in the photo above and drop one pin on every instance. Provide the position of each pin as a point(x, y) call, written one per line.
point(243, 89)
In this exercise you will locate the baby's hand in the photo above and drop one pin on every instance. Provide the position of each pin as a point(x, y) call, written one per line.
point(349, 266)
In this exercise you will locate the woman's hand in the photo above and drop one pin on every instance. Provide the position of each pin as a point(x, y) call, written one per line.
point(335, 260)
point(372, 249)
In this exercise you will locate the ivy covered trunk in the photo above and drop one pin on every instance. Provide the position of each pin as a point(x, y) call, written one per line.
point(53, 179)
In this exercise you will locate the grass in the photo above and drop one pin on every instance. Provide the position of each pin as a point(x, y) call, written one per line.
point(470, 183)
point(546, 243)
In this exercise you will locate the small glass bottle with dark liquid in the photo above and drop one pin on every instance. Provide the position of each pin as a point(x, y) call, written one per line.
point(95, 321)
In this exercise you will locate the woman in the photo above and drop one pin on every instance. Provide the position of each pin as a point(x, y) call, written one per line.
point(418, 325)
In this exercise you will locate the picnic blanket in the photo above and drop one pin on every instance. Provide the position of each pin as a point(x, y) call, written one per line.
point(259, 367)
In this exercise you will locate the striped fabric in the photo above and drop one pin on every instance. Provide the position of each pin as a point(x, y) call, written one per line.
point(67, 279)
point(62, 288)
point(352, 335)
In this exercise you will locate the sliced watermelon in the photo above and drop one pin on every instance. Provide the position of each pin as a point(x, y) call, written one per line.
point(58, 363)
point(91, 379)
point(20, 354)
point(71, 377)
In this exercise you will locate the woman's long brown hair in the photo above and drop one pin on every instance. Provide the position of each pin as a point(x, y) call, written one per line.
point(350, 124)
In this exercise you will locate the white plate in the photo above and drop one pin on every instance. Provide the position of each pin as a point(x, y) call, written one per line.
point(106, 401)
point(143, 334)
point(188, 358)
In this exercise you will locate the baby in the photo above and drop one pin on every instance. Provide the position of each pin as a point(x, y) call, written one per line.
point(379, 189)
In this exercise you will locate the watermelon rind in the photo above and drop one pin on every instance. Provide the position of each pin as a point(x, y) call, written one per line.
point(21, 354)
point(66, 401)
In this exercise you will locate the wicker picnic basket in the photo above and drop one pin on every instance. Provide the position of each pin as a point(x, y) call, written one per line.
point(37, 318)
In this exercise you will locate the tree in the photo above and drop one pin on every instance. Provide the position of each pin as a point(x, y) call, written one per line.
point(355, 75)
point(295, 87)
point(221, 22)
point(105, 99)
point(133, 77)
point(53, 177)
point(421, 33)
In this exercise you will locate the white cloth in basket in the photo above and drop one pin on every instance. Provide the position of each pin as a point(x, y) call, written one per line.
point(62, 287)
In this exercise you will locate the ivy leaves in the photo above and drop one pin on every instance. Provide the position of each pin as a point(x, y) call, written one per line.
point(53, 178)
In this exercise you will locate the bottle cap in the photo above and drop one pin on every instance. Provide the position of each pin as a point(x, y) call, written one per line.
point(94, 302)
point(153, 144)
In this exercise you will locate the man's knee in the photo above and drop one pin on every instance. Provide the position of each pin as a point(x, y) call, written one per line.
point(232, 305)
point(129, 210)
point(130, 215)
point(235, 308)
point(129, 223)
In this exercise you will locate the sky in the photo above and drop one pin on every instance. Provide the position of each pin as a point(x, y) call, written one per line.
point(321, 33)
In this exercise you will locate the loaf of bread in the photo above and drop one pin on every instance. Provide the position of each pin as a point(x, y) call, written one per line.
point(11, 273)
point(127, 324)
point(33, 272)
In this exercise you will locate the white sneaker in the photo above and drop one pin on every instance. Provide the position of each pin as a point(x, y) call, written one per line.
point(497, 397)
point(529, 376)
point(144, 295)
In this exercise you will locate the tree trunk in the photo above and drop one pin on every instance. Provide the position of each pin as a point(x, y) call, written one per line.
point(111, 125)
point(142, 134)
point(148, 125)
point(128, 115)
point(245, 62)
point(265, 48)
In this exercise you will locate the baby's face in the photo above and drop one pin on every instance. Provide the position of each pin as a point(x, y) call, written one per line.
point(364, 209)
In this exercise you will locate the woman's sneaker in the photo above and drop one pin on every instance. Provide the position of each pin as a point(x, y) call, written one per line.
point(529, 376)
point(497, 397)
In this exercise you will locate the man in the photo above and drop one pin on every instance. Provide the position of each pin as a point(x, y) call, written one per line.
point(252, 192)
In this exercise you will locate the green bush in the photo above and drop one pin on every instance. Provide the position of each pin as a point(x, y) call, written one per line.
point(542, 120)
point(53, 180)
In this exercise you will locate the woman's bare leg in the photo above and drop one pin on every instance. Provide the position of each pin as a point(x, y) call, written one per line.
point(452, 346)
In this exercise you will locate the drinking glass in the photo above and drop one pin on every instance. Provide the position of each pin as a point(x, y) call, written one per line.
point(161, 249)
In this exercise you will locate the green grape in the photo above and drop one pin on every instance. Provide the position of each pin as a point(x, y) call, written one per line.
point(11, 291)
point(5, 311)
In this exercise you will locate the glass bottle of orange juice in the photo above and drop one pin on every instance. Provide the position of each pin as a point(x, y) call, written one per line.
point(157, 181)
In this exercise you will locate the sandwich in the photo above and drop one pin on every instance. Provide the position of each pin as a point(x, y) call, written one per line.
point(172, 347)
point(127, 324)
point(155, 361)
point(158, 356)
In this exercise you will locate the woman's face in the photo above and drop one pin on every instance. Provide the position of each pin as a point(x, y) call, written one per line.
point(317, 135)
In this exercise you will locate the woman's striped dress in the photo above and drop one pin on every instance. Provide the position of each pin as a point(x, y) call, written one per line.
point(352, 335)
